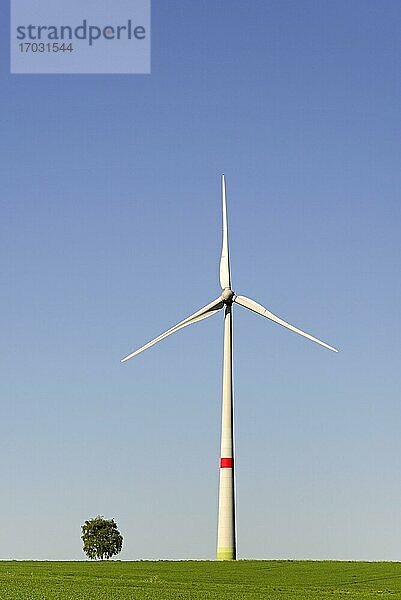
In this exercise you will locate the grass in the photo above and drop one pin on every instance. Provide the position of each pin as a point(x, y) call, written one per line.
point(190, 580)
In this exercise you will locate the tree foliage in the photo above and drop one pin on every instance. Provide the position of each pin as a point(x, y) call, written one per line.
point(101, 538)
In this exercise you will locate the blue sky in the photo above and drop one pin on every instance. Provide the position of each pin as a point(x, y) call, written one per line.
point(110, 233)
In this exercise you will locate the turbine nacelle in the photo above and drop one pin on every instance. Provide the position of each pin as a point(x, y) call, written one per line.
point(228, 296)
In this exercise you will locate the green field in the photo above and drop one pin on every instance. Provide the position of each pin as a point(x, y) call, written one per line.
point(239, 580)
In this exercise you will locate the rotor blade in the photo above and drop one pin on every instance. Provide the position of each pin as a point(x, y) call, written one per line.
point(203, 313)
point(224, 260)
point(261, 310)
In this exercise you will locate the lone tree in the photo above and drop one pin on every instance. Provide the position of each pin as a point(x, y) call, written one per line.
point(101, 538)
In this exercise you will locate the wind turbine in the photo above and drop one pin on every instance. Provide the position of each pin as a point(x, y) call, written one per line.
point(226, 540)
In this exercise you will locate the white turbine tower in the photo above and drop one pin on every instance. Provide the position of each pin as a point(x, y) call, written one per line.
point(226, 541)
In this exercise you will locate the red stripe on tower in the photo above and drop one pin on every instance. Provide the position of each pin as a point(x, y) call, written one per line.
point(226, 463)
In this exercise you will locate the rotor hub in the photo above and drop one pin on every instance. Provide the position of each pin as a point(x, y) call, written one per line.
point(227, 295)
